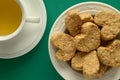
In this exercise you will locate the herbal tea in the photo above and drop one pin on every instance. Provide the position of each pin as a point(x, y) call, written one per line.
point(10, 16)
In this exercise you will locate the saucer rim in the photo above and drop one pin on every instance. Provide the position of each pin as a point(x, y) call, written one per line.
point(35, 42)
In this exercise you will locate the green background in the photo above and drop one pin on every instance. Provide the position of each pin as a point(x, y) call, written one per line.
point(36, 65)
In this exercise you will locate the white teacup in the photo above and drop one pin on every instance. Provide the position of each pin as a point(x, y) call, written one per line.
point(25, 18)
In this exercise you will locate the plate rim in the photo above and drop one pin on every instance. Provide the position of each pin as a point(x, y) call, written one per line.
point(69, 8)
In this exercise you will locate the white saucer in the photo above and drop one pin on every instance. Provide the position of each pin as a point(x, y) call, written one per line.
point(30, 35)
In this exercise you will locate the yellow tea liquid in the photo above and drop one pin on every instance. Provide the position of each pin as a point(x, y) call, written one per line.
point(10, 16)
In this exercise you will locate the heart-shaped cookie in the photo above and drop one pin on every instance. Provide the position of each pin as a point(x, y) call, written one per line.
point(110, 23)
point(86, 62)
point(66, 45)
point(110, 55)
point(89, 39)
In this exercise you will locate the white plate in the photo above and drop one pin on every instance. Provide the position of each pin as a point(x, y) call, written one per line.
point(30, 35)
point(59, 26)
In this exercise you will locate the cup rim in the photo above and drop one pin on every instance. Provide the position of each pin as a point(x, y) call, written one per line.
point(13, 34)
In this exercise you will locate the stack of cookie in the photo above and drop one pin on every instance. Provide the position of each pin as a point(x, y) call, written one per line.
point(91, 43)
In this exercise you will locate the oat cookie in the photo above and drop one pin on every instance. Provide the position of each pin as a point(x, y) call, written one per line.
point(89, 39)
point(91, 65)
point(110, 22)
point(109, 32)
point(73, 22)
point(64, 56)
point(64, 42)
point(110, 55)
point(77, 61)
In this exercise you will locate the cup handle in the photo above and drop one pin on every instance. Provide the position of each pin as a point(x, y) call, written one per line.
point(33, 19)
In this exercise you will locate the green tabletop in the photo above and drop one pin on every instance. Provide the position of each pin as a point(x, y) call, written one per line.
point(36, 65)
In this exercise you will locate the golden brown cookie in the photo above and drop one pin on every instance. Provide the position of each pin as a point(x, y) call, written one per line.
point(77, 61)
point(73, 22)
point(66, 45)
point(64, 56)
point(109, 32)
point(64, 42)
point(110, 22)
point(106, 17)
point(110, 55)
point(91, 65)
point(89, 39)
